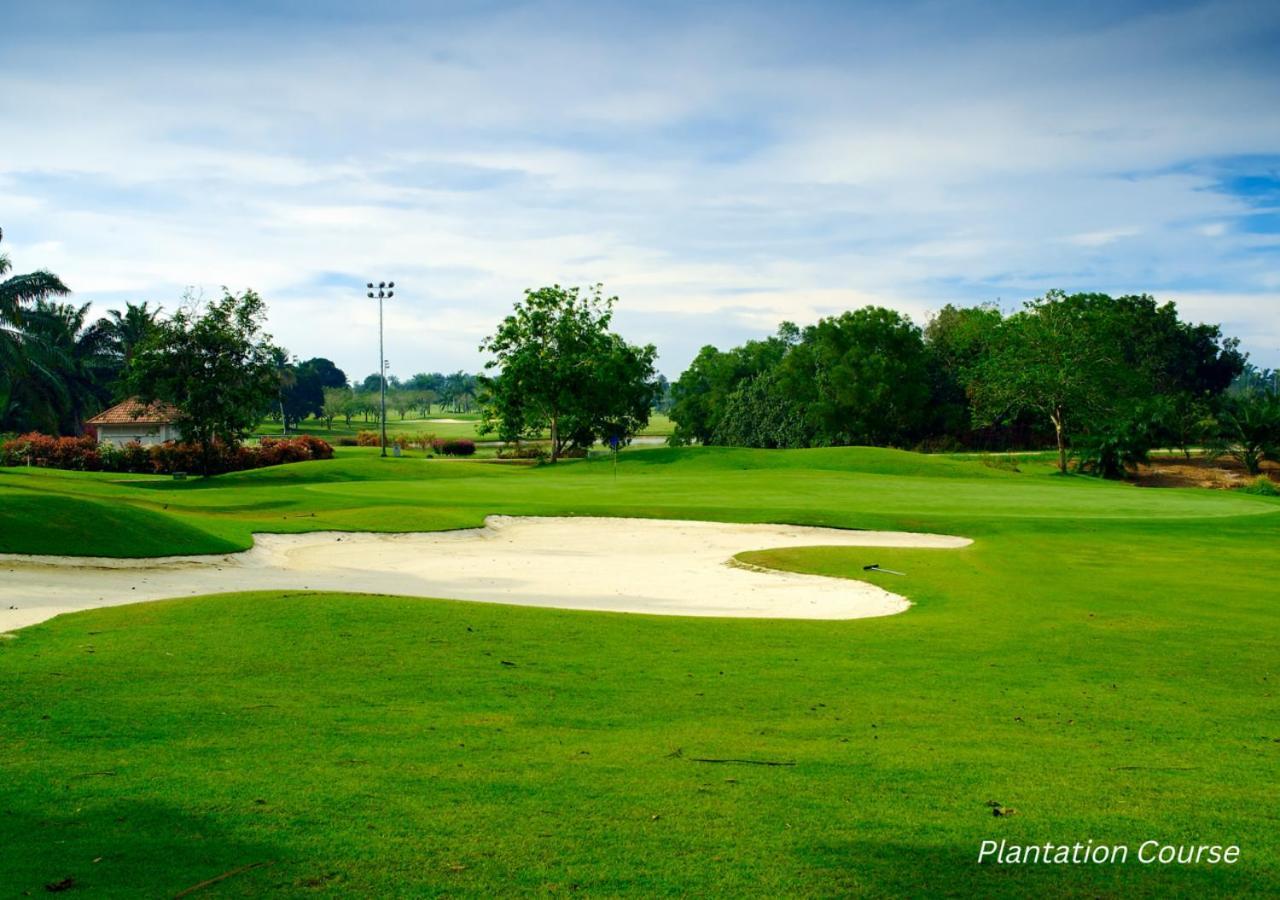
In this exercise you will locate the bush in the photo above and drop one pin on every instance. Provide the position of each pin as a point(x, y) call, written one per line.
point(84, 453)
point(529, 452)
point(1119, 445)
point(454, 447)
point(54, 452)
point(368, 439)
point(348, 442)
point(424, 441)
point(1263, 486)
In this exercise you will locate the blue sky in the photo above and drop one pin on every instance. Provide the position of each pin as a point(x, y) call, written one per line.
point(719, 166)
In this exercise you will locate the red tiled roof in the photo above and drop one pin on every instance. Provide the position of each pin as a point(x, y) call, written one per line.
point(134, 412)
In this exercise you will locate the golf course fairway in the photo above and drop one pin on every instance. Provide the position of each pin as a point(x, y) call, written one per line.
point(1099, 665)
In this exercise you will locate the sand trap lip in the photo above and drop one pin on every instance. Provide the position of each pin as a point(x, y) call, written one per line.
point(658, 566)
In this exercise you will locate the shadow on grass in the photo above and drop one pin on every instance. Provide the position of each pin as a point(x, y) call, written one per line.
point(128, 849)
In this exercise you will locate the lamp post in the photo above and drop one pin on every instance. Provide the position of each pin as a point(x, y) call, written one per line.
point(383, 292)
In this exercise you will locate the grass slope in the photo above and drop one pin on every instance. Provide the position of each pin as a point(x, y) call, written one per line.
point(1101, 659)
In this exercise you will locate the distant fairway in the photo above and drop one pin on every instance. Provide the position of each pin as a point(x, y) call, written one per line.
point(440, 424)
point(1101, 660)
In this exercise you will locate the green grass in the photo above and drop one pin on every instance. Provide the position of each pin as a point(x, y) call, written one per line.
point(1102, 659)
point(659, 426)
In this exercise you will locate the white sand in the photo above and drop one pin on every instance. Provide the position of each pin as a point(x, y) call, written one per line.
point(622, 565)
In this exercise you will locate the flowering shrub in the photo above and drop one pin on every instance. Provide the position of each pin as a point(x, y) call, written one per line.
point(87, 454)
point(54, 452)
point(454, 447)
point(368, 439)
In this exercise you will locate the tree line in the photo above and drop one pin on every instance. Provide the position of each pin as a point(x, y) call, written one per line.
point(59, 366)
point(1100, 379)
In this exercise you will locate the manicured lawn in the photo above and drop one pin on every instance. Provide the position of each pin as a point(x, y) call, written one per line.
point(1102, 659)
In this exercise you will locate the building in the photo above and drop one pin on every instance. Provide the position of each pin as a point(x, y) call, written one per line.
point(134, 420)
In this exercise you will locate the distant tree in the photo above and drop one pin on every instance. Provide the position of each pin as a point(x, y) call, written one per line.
point(559, 367)
point(215, 365)
point(402, 402)
point(663, 401)
point(422, 400)
point(336, 402)
point(326, 374)
point(302, 390)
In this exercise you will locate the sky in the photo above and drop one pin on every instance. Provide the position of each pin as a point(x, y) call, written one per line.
point(720, 167)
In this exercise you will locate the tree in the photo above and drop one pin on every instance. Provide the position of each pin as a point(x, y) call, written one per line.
point(1084, 361)
point(74, 370)
point(215, 366)
point(956, 339)
point(123, 332)
point(326, 373)
point(561, 368)
point(759, 414)
point(337, 402)
point(1050, 359)
point(18, 293)
point(301, 390)
point(699, 396)
point(860, 378)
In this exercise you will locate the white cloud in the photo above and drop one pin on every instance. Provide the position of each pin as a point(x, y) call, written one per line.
point(750, 167)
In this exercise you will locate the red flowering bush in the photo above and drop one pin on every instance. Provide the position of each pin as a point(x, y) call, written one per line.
point(87, 454)
point(54, 452)
point(368, 439)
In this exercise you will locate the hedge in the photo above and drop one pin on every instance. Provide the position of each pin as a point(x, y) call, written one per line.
point(85, 453)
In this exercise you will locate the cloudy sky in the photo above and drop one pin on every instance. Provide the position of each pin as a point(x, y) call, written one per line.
point(720, 166)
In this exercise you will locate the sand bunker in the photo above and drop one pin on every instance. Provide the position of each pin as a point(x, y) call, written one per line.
point(620, 565)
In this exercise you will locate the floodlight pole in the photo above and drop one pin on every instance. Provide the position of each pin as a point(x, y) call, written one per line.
point(384, 292)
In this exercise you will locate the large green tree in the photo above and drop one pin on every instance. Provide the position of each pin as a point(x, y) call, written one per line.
point(861, 378)
point(215, 365)
point(560, 368)
point(1103, 368)
point(1053, 359)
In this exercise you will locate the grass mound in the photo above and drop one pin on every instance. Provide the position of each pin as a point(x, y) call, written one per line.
point(53, 524)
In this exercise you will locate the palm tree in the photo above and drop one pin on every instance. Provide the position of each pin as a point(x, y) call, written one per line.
point(72, 375)
point(123, 333)
point(1250, 429)
point(17, 294)
point(126, 330)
